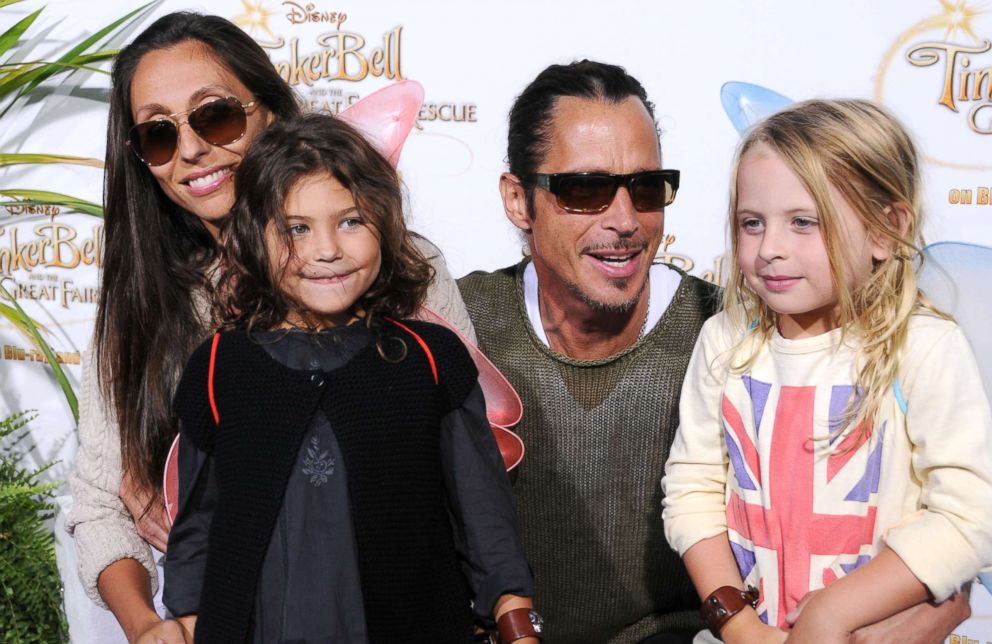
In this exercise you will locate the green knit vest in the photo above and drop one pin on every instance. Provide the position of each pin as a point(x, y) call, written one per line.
point(597, 435)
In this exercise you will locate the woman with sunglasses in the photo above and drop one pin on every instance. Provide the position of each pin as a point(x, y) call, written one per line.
point(188, 96)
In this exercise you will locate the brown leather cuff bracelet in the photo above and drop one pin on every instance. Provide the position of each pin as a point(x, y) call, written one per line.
point(519, 623)
point(725, 602)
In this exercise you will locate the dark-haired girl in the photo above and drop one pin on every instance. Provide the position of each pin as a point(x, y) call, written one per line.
point(338, 478)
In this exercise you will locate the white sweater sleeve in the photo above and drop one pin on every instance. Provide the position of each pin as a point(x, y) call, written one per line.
point(950, 428)
point(695, 481)
point(102, 528)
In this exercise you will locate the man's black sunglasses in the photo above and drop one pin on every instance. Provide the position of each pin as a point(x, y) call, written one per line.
point(593, 192)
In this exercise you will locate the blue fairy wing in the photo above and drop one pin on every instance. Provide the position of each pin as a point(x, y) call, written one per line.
point(746, 104)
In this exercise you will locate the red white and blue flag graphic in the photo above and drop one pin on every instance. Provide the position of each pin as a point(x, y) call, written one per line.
point(801, 511)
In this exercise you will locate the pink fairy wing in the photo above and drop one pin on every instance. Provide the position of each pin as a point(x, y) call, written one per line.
point(386, 116)
point(170, 481)
point(503, 406)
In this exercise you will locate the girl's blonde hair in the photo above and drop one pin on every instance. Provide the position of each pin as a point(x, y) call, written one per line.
point(863, 152)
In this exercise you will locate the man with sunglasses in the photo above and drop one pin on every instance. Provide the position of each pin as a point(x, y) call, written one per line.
point(596, 338)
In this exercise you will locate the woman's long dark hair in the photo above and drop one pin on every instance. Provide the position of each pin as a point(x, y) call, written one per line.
point(155, 253)
point(287, 152)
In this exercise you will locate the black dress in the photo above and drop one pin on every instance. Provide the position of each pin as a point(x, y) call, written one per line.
point(309, 585)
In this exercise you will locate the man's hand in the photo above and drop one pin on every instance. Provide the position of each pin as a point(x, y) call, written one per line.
point(165, 632)
point(925, 623)
point(152, 526)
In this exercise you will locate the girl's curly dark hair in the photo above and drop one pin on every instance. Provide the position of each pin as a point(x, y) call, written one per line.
point(248, 295)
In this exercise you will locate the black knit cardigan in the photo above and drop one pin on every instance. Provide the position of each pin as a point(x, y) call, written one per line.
point(386, 417)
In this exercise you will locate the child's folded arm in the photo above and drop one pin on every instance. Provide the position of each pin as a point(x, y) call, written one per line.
point(950, 427)
point(694, 485)
point(879, 589)
point(711, 565)
point(481, 501)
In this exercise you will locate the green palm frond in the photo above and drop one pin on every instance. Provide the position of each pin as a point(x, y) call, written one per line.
point(27, 157)
point(27, 78)
point(45, 198)
point(16, 80)
point(16, 319)
point(22, 321)
point(79, 63)
point(9, 37)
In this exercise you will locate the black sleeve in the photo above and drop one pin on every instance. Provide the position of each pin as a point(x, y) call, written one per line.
point(482, 505)
point(186, 559)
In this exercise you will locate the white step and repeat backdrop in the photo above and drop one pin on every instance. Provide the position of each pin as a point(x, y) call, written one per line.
point(930, 61)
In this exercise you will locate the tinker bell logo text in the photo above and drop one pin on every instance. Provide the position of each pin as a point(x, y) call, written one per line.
point(961, 82)
point(342, 55)
point(53, 246)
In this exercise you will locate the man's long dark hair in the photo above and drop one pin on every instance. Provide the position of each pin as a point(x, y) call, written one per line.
point(155, 253)
point(289, 151)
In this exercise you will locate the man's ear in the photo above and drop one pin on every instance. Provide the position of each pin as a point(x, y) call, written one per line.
point(900, 220)
point(514, 201)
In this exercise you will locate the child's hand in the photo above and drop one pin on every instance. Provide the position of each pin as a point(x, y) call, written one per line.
point(811, 625)
point(825, 632)
point(747, 628)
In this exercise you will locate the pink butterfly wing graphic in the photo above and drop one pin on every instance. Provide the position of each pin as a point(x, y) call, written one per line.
point(386, 116)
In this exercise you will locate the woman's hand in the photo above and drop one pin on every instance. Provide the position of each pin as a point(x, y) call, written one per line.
point(165, 632)
point(152, 526)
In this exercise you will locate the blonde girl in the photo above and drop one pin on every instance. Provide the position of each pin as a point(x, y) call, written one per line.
point(834, 435)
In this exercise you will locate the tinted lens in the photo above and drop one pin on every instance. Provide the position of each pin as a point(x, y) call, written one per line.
point(219, 122)
point(650, 191)
point(154, 141)
point(591, 193)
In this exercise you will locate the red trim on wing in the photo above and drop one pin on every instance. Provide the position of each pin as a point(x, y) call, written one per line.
point(210, 378)
point(423, 345)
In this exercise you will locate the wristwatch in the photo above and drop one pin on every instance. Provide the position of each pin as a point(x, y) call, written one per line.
point(725, 602)
point(519, 623)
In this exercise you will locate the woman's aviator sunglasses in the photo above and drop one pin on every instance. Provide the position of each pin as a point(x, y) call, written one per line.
point(218, 122)
point(593, 192)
